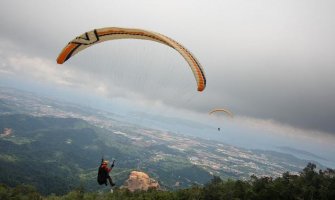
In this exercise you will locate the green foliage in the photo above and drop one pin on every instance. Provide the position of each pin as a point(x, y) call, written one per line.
point(20, 192)
point(310, 184)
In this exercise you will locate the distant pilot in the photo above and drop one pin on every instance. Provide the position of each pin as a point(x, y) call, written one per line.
point(218, 129)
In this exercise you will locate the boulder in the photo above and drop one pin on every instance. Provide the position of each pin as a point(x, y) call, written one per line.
point(140, 181)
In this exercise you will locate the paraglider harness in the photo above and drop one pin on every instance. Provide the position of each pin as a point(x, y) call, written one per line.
point(103, 175)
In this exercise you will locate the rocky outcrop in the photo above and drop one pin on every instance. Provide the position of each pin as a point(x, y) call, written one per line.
point(140, 181)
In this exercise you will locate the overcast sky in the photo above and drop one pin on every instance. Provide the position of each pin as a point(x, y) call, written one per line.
point(264, 59)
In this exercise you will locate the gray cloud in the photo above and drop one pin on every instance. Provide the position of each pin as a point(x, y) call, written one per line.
point(265, 59)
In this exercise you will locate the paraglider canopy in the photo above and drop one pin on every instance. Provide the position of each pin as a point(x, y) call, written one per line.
point(226, 111)
point(114, 33)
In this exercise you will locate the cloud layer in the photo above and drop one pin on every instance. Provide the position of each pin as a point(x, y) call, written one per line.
point(263, 59)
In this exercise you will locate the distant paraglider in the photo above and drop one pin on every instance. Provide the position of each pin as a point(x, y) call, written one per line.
point(225, 111)
point(113, 33)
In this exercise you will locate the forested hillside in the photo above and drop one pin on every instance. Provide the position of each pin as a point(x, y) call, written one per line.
point(56, 155)
point(309, 184)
